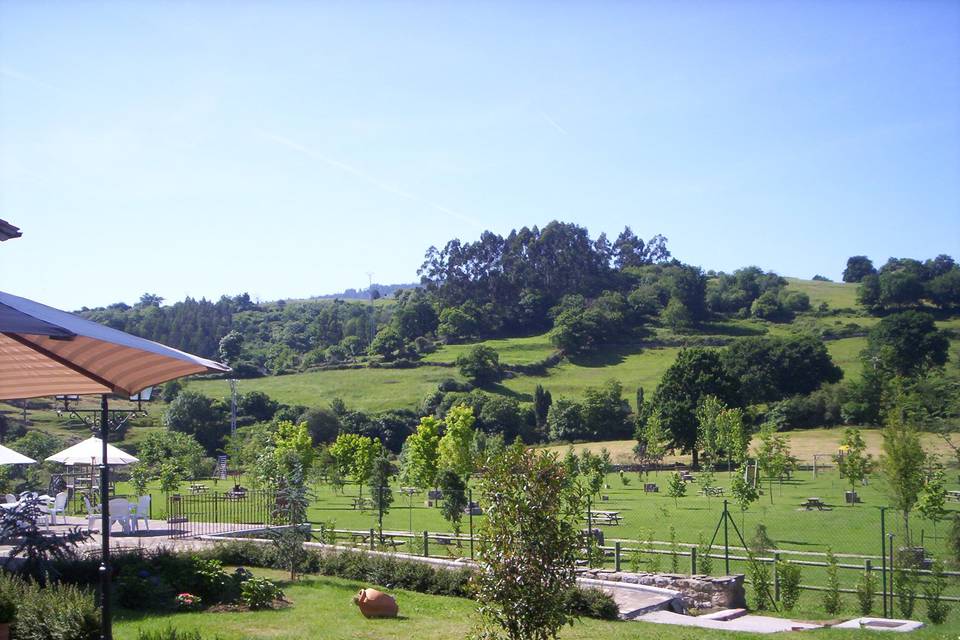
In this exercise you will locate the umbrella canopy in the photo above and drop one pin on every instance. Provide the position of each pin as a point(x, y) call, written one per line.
point(9, 456)
point(45, 352)
point(90, 451)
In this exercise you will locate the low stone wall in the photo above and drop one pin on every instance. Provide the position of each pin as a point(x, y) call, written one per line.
point(698, 592)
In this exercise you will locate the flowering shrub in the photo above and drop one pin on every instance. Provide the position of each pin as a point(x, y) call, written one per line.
point(259, 593)
point(188, 602)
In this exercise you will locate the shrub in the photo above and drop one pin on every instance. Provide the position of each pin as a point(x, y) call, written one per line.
point(54, 612)
point(8, 602)
point(760, 580)
point(831, 596)
point(905, 581)
point(705, 562)
point(593, 603)
point(937, 609)
point(866, 591)
point(188, 602)
point(789, 584)
point(259, 593)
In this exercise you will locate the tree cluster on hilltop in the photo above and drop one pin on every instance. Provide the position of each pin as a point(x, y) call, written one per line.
point(905, 282)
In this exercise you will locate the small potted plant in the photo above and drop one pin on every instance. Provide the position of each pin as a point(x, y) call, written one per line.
point(8, 611)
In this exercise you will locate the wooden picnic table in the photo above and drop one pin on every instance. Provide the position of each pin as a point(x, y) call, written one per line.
point(953, 495)
point(198, 488)
point(814, 503)
point(362, 503)
point(606, 517)
point(712, 491)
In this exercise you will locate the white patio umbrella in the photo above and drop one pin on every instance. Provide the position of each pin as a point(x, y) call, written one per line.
point(9, 456)
point(46, 352)
point(90, 451)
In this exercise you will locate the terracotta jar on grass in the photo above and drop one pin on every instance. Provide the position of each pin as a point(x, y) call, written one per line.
point(376, 604)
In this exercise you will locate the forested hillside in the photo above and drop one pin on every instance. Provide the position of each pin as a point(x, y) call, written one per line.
point(550, 334)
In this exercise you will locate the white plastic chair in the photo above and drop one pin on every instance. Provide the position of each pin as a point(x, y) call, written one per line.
point(92, 515)
point(10, 498)
point(142, 512)
point(120, 512)
point(59, 506)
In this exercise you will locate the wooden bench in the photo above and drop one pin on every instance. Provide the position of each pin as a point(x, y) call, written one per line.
point(362, 503)
point(953, 496)
point(650, 487)
point(712, 492)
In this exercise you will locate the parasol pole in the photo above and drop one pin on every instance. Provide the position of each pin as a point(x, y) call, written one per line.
point(106, 632)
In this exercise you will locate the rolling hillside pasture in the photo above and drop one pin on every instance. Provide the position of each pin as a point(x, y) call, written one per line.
point(846, 355)
point(363, 389)
point(512, 350)
point(632, 366)
point(839, 295)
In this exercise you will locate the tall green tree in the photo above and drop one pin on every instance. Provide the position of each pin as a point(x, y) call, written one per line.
point(455, 449)
point(906, 344)
point(695, 374)
point(854, 463)
point(454, 498)
point(528, 546)
point(541, 405)
point(902, 467)
point(480, 365)
point(423, 454)
point(858, 267)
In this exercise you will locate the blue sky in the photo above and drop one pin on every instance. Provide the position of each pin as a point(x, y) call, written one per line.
point(288, 148)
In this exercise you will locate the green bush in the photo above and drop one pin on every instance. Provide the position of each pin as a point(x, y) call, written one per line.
point(259, 593)
point(760, 581)
point(8, 602)
point(54, 612)
point(789, 584)
point(937, 609)
point(866, 592)
point(592, 603)
point(831, 596)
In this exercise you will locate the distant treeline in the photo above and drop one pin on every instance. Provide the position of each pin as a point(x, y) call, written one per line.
point(378, 291)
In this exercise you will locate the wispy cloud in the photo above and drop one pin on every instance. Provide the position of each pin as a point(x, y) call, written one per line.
point(366, 177)
point(13, 74)
point(553, 123)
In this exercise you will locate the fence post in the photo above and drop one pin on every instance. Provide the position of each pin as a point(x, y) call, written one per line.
point(693, 561)
point(776, 576)
point(426, 544)
point(883, 556)
point(470, 507)
point(589, 518)
point(726, 541)
point(616, 556)
point(372, 540)
point(890, 537)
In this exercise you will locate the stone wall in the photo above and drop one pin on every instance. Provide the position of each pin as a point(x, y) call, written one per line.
point(698, 592)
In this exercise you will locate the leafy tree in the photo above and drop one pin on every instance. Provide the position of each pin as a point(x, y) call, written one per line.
point(354, 456)
point(528, 546)
point(180, 449)
point(38, 445)
point(771, 368)
point(902, 466)
point(732, 435)
point(257, 405)
point(454, 497)
point(456, 446)
point(708, 413)
point(944, 290)
point(854, 464)
point(744, 492)
point(197, 415)
point(906, 344)
point(388, 343)
point(933, 497)
point(605, 412)
point(505, 416)
point(773, 455)
point(652, 441)
point(481, 365)
point(170, 478)
point(676, 488)
point(423, 454)
point(695, 374)
point(323, 424)
point(541, 405)
point(677, 316)
point(231, 345)
point(380, 492)
point(565, 421)
point(858, 267)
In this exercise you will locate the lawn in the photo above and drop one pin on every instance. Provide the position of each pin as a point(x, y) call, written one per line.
point(322, 608)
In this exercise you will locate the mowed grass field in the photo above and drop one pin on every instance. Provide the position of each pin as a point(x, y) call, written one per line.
point(525, 350)
point(839, 295)
point(322, 607)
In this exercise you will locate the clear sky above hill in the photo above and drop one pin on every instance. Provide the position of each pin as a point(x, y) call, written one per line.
point(288, 148)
